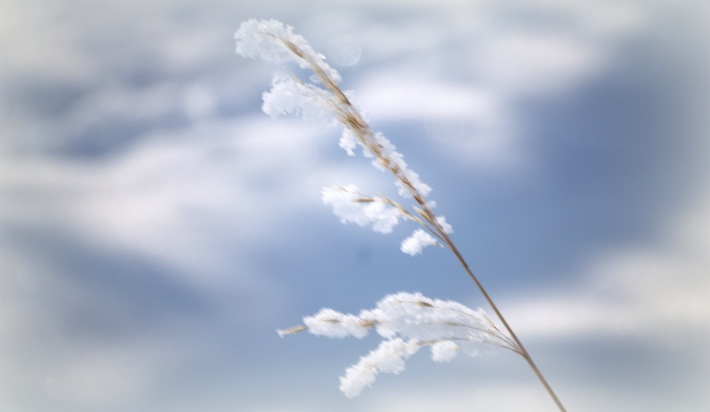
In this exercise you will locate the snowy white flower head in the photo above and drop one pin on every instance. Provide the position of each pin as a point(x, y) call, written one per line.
point(406, 322)
point(274, 42)
point(321, 99)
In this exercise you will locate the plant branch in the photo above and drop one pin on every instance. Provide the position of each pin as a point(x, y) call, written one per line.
point(521, 349)
point(352, 119)
point(378, 148)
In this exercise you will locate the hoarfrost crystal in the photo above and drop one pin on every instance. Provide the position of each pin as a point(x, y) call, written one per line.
point(352, 207)
point(389, 357)
point(334, 324)
point(290, 97)
point(444, 351)
point(348, 141)
point(270, 40)
point(414, 244)
point(321, 100)
point(406, 322)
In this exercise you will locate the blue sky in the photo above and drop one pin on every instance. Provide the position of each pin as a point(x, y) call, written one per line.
point(156, 227)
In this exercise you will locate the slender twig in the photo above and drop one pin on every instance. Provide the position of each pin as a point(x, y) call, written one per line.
point(351, 118)
point(522, 351)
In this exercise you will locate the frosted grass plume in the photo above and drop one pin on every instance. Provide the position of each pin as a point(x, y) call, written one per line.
point(407, 322)
point(321, 98)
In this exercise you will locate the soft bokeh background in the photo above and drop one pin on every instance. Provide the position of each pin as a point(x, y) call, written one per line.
point(156, 228)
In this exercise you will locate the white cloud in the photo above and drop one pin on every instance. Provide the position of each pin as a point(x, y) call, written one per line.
point(651, 299)
point(485, 392)
point(183, 198)
point(505, 54)
point(410, 95)
point(90, 378)
point(32, 37)
point(65, 370)
point(633, 292)
point(530, 63)
point(486, 396)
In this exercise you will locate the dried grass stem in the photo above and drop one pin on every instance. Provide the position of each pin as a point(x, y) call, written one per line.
point(349, 116)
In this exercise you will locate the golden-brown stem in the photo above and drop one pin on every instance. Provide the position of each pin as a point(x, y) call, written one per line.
point(522, 351)
point(350, 117)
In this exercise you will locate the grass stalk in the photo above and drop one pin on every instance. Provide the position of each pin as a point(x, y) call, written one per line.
point(349, 116)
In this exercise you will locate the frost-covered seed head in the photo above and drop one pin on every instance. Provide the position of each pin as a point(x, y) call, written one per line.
point(406, 322)
point(352, 207)
point(323, 101)
point(274, 42)
point(414, 244)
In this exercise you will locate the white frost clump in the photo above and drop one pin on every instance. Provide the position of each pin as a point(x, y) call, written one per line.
point(348, 141)
point(389, 357)
point(352, 207)
point(331, 323)
point(396, 161)
point(268, 40)
point(289, 97)
point(320, 99)
point(414, 244)
point(444, 351)
point(441, 220)
point(271, 40)
point(406, 322)
point(420, 239)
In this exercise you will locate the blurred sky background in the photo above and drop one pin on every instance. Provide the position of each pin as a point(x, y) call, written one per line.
point(156, 227)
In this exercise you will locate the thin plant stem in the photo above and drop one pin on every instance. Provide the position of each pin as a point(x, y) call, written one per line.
point(522, 351)
point(349, 116)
